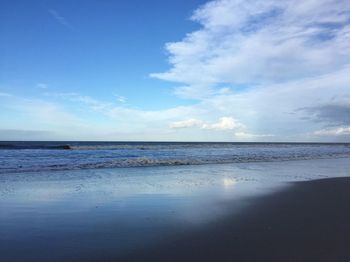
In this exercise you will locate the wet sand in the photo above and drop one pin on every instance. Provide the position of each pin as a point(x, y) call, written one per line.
point(239, 212)
point(308, 221)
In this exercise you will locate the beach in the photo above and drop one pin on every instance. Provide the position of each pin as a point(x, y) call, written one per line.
point(175, 131)
point(264, 211)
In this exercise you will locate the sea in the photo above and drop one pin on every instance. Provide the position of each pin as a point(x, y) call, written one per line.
point(19, 157)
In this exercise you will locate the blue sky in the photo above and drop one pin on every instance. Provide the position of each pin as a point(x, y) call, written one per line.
point(226, 70)
point(83, 46)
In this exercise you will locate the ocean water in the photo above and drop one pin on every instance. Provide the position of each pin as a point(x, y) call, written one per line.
point(19, 157)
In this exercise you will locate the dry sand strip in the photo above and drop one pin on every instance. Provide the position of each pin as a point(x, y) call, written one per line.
point(309, 221)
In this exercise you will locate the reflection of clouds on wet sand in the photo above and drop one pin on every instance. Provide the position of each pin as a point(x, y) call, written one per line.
point(229, 182)
point(111, 184)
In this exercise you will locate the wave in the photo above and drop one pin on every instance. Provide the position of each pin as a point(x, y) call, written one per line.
point(28, 146)
point(151, 162)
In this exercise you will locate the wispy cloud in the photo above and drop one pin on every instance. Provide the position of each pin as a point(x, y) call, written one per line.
point(92, 103)
point(42, 85)
point(33, 113)
point(188, 123)
point(59, 18)
point(120, 99)
point(5, 94)
point(123, 112)
point(339, 131)
point(23, 134)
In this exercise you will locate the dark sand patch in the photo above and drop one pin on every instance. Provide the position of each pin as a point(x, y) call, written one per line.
point(309, 221)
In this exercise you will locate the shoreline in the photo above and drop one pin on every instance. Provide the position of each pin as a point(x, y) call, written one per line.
point(308, 221)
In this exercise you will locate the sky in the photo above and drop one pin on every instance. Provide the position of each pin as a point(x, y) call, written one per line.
point(185, 70)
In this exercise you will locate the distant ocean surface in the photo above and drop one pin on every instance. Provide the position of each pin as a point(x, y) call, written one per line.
point(19, 157)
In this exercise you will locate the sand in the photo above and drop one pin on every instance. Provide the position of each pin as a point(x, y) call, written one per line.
point(248, 212)
point(309, 221)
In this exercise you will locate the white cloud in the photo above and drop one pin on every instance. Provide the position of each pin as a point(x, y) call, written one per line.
point(244, 135)
point(254, 42)
point(238, 130)
point(224, 123)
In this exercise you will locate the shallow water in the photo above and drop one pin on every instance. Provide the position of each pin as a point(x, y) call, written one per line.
point(71, 215)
